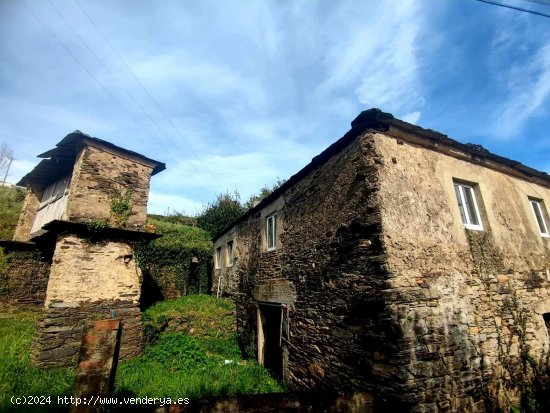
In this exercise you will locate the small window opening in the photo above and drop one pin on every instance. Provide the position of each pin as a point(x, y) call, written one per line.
point(547, 322)
point(271, 232)
point(230, 257)
point(538, 210)
point(468, 206)
point(218, 257)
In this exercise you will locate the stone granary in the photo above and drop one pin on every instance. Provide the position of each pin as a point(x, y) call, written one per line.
point(87, 202)
point(400, 263)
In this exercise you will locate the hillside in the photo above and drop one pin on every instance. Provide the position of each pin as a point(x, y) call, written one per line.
point(11, 201)
point(191, 351)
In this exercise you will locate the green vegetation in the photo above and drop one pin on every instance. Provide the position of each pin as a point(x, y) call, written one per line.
point(217, 215)
point(18, 376)
point(193, 337)
point(11, 201)
point(227, 208)
point(264, 191)
point(179, 260)
point(175, 217)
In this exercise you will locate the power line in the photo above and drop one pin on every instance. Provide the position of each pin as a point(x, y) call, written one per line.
point(121, 85)
point(79, 61)
point(514, 8)
point(145, 90)
point(542, 2)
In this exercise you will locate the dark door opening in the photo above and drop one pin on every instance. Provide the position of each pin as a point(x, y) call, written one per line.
point(547, 321)
point(270, 353)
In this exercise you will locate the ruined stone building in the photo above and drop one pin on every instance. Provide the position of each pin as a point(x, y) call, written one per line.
point(86, 203)
point(399, 263)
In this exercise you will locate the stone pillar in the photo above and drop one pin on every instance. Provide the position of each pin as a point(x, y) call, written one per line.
point(93, 276)
point(27, 216)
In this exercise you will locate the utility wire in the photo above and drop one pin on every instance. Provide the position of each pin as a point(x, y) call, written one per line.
point(145, 90)
point(82, 65)
point(514, 8)
point(121, 85)
point(542, 2)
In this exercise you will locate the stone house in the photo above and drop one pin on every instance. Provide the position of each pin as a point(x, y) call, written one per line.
point(85, 205)
point(400, 263)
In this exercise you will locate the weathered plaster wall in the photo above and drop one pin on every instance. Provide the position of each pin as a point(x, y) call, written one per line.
point(467, 301)
point(88, 280)
point(26, 217)
point(86, 270)
point(95, 175)
point(330, 263)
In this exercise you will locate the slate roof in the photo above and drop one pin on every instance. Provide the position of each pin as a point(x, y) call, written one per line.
point(60, 160)
point(377, 121)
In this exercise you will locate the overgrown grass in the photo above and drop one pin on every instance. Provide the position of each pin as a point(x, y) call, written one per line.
point(18, 376)
point(195, 354)
point(11, 201)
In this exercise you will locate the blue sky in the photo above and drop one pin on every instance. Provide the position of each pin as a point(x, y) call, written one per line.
point(233, 94)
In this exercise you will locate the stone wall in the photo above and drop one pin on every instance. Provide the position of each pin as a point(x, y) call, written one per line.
point(24, 280)
point(469, 303)
point(385, 289)
point(89, 280)
point(96, 174)
point(26, 217)
point(61, 326)
point(328, 260)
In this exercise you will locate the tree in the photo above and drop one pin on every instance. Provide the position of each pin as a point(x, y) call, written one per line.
point(6, 157)
point(264, 191)
point(217, 215)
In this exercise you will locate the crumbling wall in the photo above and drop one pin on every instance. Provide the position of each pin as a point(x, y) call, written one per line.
point(23, 278)
point(96, 175)
point(89, 280)
point(469, 303)
point(330, 253)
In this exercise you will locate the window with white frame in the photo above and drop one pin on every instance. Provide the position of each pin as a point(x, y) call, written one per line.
point(538, 210)
point(468, 206)
point(271, 232)
point(218, 257)
point(230, 253)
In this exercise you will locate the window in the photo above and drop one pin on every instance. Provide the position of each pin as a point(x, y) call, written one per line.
point(538, 211)
point(230, 253)
point(271, 232)
point(218, 257)
point(54, 191)
point(467, 203)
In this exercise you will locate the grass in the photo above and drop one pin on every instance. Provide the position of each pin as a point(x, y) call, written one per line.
point(18, 376)
point(11, 201)
point(195, 354)
point(192, 352)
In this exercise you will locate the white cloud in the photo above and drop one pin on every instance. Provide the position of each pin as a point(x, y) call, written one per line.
point(377, 57)
point(411, 117)
point(528, 91)
point(162, 203)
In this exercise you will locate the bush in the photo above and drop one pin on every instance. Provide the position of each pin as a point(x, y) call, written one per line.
point(178, 263)
point(219, 214)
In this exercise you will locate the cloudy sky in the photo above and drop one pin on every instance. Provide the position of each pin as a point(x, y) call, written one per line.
point(233, 94)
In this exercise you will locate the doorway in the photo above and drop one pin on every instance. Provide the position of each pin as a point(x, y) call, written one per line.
point(270, 326)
